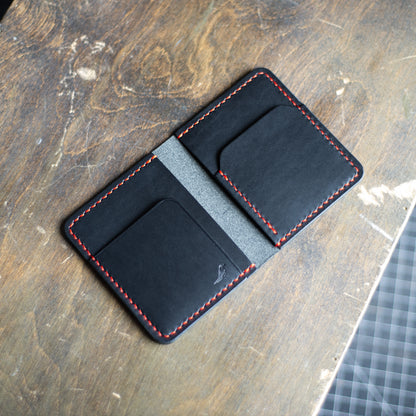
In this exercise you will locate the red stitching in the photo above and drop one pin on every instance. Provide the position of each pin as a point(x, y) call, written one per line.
point(314, 123)
point(221, 103)
point(121, 290)
point(319, 208)
point(213, 299)
point(112, 190)
point(248, 202)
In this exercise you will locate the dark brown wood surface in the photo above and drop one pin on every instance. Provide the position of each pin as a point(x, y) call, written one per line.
point(89, 87)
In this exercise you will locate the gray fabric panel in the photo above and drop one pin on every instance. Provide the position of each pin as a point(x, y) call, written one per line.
point(214, 200)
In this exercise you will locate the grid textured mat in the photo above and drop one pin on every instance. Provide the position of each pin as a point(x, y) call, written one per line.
point(378, 374)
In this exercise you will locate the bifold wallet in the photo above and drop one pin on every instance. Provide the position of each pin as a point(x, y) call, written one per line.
point(190, 221)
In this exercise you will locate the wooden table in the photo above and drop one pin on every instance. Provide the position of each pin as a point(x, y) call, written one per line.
point(89, 87)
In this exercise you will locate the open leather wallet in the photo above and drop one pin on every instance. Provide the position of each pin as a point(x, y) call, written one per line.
point(185, 225)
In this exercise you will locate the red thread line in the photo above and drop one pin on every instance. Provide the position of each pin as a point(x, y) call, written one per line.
point(112, 190)
point(142, 314)
point(121, 290)
point(220, 103)
point(313, 122)
point(248, 202)
point(320, 208)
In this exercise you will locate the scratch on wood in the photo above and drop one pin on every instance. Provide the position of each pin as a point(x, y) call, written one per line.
point(339, 94)
point(252, 349)
point(406, 190)
point(74, 45)
point(123, 334)
point(116, 395)
point(295, 3)
point(49, 185)
point(367, 197)
point(261, 19)
point(198, 27)
point(68, 90)
point(331, 24)
point(375, 195)
point(125, 87)
point(325, 374)
point(87, 74)
point(352, 297)
point(340, 91)
point(67, 83)
point(405, 58)
point(40, 229)
point(97, 47)
point(87, 139)
point(17, 369)
point(47, 240)
point(377, 228)
point(342, 112)
point(63, 262)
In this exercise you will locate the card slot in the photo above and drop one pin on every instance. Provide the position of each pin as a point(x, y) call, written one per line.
point(169, 266)
point(125, 228)
point(281, 170)
point(156, 207)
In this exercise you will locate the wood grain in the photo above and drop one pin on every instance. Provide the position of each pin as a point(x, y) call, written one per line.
point(89, 87)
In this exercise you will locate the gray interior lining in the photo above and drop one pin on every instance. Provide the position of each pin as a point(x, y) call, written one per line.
point(251, 241)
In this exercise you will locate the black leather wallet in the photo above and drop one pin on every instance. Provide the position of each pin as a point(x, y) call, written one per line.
point(185, 225)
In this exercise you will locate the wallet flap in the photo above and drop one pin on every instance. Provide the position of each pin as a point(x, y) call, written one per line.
point(280, 170)
point(271, 154)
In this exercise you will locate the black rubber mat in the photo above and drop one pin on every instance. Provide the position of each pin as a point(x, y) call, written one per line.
point(378, 374)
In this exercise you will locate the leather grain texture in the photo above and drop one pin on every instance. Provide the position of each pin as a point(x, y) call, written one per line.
point(157, 248)
point(271, 154)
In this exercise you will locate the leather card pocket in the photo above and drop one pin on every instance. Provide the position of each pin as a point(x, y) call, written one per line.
point(281, 170)
point(169, 266)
